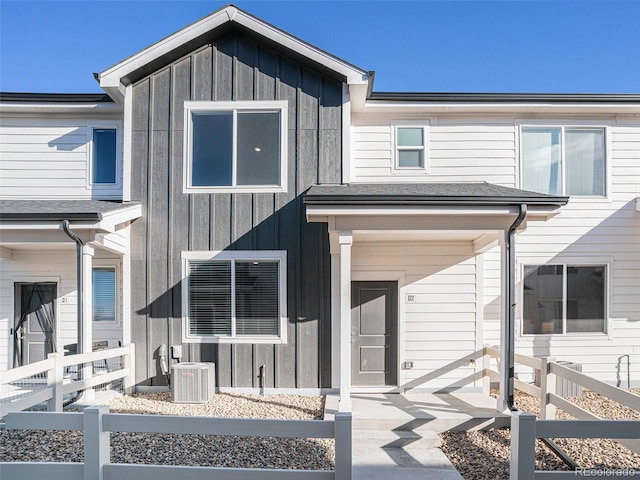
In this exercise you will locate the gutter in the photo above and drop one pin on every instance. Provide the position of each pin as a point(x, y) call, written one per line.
point(80, 282)
point(508, 349)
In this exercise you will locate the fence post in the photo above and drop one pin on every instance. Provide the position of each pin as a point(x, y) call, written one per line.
point(97, 447)
point(547, 385)
point(523, 445)
point(343, 445)
point(486, 365)
point(130, 363)
point(55, 377)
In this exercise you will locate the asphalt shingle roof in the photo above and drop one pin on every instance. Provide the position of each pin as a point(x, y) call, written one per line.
point(58, 209)
point(480, 193)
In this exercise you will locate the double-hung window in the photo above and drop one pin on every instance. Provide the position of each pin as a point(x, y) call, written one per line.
point(235, 296)
point(564, 298)
point(236, 146)
point(410, 144)
point(564, 160)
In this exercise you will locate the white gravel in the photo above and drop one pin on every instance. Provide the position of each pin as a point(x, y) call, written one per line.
point(484, 455)
point(203, 450)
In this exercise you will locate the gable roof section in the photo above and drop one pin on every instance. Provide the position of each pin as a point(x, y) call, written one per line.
point(114, 79)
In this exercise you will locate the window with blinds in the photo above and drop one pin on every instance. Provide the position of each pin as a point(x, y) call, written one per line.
point(234, 298)
point(104, 294)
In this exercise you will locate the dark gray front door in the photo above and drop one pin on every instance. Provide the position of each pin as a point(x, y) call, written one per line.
point(374, 307)
point(35, 322)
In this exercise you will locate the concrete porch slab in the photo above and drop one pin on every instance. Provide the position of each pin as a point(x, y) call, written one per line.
point(436, 412)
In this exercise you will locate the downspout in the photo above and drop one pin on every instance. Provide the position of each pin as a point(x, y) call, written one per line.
point(80, 281)
point(511, 302)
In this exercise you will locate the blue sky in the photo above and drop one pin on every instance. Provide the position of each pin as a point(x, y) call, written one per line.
point(420, 46)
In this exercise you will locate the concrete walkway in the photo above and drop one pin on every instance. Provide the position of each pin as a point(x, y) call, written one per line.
point(396, 436)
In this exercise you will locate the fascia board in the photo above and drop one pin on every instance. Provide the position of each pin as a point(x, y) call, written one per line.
point(62, 108)
point(110, 220)
point(497, 108)
point(110, 79)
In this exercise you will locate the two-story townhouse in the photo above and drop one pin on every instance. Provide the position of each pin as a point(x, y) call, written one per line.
point(281, 219)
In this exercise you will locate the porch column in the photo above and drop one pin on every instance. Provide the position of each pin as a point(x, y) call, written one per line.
point(335, 310)
point(85, 333)
point(504, 334)
point(345, 240)
point(85, 303)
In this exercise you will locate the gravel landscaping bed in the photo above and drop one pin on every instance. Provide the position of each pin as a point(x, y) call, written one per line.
point(484, 455)
point(203, 450)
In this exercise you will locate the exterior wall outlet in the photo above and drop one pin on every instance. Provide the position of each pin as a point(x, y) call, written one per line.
point(176, 352)
point(408, 365)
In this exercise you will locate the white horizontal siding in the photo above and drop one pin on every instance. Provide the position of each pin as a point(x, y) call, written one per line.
point(588, 230)
point(42, 158)
point(439, 326)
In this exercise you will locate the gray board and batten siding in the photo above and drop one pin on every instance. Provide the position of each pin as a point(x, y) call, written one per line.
point(233, 67)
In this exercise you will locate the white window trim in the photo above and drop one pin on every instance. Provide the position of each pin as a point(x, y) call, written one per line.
point(409, 171)
point(103, 264)
point(104, 187)
point(606, 262)
point(564, 124)
point(259, 255)
point(209, 106)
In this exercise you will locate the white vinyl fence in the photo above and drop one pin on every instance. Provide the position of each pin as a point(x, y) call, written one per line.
point(60, 376)
point(97, 423)
point(525, 429)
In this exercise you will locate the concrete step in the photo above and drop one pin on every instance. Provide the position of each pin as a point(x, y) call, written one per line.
point(396, 438)
point(455, 423)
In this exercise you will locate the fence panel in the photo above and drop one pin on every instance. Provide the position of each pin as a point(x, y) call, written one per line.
point(97, 424)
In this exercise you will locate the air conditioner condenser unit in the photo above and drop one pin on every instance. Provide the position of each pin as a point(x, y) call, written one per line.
point(193, 382)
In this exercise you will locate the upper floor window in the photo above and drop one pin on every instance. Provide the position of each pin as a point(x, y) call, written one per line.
point(103, 155)
point(236, 146)
point(564, 160)
point(410, 147)
point(235, 296)
point(561, 298)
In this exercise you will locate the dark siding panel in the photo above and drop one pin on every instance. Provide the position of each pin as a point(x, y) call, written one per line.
point(267, 75)
point(140, 159)
point(224, 69)
point(288, 229)
point(179, 203)
point(331, 133)
point(158, 217)
point(246, 61)
point(234, 68)
point(202, 76)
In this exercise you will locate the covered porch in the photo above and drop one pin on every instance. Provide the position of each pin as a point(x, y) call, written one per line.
point(53, 253)
point(407, 290)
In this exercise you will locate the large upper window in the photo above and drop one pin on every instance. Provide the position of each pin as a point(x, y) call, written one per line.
point(564, 160)
point(235, 296)
point(563, 298)
point(236, 146)
point(103, 156)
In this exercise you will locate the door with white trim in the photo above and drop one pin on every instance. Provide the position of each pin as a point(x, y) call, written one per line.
point(374, 333)
point(34, 329)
